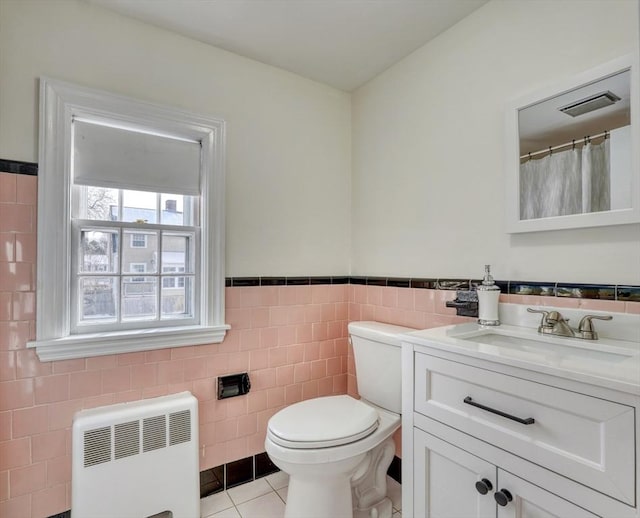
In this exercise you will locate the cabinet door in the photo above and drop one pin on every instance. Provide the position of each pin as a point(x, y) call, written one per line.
point(445, 480)
point(530, 501)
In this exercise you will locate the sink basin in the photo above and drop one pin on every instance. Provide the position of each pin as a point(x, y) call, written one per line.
point(551, 345)
point(528, 343)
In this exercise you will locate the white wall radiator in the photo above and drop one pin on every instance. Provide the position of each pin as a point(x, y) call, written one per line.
point(137, 460)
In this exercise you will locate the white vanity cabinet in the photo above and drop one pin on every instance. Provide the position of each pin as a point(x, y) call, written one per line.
point(480, 431)
point(457, 484)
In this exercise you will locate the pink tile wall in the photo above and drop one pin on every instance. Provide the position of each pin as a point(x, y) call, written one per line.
point(410, 307)
point(292, 340)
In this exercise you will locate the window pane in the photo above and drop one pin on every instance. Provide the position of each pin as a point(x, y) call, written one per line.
point(99, 251)
point(139, 206)
point(98, 203)
point(177, 297)
point(177, 252)
point(139, 251)
point(139, 298)
point(176, 209)
point(98, 299)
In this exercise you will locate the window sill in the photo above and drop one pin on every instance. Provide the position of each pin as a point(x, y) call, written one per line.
point(100, 344)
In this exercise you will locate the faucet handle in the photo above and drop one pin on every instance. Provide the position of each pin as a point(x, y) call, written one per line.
point(555, 316)
point(586, 329)
point(544, 324)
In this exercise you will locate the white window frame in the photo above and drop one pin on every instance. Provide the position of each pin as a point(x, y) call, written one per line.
point(59, 103)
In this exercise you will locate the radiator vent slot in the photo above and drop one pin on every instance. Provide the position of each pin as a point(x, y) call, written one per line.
point(179, 427)
point(126, 439)
point(154, 433)
point(97, 446)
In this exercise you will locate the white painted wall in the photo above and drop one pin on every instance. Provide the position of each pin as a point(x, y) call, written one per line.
point(289, 138)
point(426, 137)
point(427, 147)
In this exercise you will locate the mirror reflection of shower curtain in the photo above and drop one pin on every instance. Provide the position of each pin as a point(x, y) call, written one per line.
point(551, 186)
point(566, 182)
point(596, 177)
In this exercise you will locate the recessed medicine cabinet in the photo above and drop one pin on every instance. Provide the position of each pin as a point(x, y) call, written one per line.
point(573, 151)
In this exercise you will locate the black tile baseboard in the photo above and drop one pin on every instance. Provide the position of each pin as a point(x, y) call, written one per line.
point(264, 466)
point(238, 472)
point(211, 481)
point(257, 466)
point(395, 469)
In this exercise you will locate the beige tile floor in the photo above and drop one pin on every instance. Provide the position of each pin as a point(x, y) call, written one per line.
point(265, 498)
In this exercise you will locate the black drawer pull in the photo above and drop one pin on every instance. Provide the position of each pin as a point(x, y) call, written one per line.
point(528, 420)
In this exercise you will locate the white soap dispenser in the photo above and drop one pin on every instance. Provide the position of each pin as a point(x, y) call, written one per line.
point(488, 297)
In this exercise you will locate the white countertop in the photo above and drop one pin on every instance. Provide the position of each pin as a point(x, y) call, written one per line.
point(606, 362)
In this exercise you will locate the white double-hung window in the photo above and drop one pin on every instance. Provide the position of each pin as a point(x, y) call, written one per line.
point(130, 225)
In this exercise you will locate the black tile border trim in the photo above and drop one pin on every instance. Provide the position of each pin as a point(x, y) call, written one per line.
point(17, 167)
point(285, 281)
point(214, 480)
point(620, 292)
point(586, 291)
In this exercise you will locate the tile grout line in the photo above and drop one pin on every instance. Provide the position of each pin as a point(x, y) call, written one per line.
point(273, 490)
point(235, 506)
point(276, 491)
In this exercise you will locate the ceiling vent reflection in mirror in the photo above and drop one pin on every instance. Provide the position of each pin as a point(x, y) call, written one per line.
point(590, 104)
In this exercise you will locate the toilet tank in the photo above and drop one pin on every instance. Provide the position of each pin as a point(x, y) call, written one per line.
point(376, 350)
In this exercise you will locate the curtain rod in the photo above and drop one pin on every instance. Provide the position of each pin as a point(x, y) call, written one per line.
point(604, 134)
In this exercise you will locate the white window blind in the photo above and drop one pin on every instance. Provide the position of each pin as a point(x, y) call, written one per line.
point(107, 156)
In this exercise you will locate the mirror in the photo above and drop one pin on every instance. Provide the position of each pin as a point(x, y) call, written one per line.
point(572, 152)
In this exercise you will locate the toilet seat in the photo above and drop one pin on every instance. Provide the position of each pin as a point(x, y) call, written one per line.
point(323, 422)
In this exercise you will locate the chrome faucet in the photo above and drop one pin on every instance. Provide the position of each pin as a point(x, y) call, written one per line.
point(553, 323)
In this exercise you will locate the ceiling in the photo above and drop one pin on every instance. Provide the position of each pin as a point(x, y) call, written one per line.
point(343, 43)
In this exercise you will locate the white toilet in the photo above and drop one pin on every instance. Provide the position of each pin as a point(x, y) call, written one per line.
point(337, 449)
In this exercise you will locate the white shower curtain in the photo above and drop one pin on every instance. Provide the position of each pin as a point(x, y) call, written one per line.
point(566, 182)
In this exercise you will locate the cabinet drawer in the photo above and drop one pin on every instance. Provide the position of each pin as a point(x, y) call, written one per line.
point(587, 439)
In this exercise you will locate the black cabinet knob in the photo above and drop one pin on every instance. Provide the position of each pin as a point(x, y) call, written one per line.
point(502, 497)
point(484, 486)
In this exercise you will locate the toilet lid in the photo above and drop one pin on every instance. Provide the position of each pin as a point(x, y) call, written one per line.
point(322, 423)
